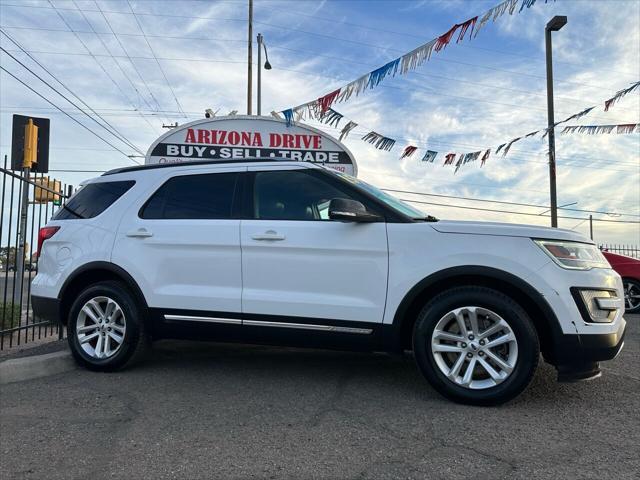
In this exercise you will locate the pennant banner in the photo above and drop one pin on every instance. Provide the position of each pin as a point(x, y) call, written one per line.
point(485, 157)
point(379, 141)
point(408, 151)
point(346, 129)
point(333, 118)
point(619, 95)
point(600, 129)
point(429, 156)
point(416, 57)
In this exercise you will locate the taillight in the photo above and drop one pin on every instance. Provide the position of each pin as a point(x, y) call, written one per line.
point(44, 234)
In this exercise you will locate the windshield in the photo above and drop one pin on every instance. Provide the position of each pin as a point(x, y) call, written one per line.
point(390, 200)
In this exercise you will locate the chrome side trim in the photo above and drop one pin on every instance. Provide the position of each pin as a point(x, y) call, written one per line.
point(188, 318)
point(308, 326)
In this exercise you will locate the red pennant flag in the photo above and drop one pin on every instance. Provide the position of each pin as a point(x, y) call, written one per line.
point(408, 151)
point(325, 102)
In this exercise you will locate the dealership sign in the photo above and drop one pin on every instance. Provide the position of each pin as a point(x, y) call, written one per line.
point(248, 137)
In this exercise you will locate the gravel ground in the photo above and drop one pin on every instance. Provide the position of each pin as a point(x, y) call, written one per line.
point(222, 411)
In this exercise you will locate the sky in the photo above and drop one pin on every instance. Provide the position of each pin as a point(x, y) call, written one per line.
point(475, 94)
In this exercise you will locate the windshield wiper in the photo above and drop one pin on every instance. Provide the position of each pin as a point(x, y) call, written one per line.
point(428, 218)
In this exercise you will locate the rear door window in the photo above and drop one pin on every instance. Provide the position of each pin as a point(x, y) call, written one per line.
point(93, 199)
point(204, 196)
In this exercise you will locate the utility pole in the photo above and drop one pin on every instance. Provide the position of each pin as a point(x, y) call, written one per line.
point(259, 74)
point(591, 227)
point(249, 58)
point(30, 157)
point(555, 24)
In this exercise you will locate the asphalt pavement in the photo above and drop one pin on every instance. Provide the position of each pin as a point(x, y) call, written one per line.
point(211, 411)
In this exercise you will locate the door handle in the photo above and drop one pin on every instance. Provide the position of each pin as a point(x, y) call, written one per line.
point(269, 235)
point(140, 233)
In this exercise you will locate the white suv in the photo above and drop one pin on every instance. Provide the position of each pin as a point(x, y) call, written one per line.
point(289, 253)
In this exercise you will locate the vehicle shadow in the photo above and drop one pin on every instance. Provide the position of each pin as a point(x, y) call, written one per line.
point(309, 371)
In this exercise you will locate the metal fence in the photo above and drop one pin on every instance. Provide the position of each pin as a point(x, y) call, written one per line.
point(19, 229)
point(628, 250)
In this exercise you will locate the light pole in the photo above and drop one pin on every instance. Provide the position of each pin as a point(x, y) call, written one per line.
point(250, 58)
point(555, 24)
point(267, 66)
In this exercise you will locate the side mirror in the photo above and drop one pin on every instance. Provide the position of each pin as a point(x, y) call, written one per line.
point(348, 210)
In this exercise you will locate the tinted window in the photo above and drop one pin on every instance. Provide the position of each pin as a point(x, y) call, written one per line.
point(292, 195)
point(93, 199)
point(207, 196)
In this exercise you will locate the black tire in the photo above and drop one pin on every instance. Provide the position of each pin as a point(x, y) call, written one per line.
point(135, 342)
point(519, 322)
point(635, 286)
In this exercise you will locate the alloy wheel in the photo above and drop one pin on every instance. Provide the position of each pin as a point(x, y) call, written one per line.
point(474, 347)
point(100, 327)
point(631, 295)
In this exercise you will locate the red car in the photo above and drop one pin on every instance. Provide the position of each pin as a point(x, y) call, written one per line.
point(629, 269)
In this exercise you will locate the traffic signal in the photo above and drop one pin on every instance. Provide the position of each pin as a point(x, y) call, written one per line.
point(30, 143)
point(43, 196)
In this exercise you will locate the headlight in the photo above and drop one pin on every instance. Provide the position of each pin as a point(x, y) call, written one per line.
point(574, 255)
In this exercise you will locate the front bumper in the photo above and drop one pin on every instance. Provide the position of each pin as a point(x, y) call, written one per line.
point(577, 356)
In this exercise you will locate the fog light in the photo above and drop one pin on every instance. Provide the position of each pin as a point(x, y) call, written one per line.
point(602, 305)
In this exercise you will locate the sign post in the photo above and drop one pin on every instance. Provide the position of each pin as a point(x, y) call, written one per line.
point(29, 158)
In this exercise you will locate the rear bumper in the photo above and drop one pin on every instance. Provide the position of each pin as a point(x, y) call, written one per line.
point(46, 309)
point(577, 356)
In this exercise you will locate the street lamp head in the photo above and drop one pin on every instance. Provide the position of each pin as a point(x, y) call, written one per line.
point(556, 23)
point(267, 65)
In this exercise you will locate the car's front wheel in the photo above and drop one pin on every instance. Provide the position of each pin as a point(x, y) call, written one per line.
point(476, 345)
point(631, 295)
point(105, 327)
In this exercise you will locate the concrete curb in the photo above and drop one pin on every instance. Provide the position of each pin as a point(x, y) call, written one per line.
point(27, 368)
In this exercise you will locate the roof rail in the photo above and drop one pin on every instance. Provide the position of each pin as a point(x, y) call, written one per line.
point(191, 163)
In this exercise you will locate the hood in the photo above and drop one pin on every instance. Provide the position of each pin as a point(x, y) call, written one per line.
point(508, 230)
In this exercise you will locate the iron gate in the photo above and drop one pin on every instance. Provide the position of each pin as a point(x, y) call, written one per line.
point(18, 256)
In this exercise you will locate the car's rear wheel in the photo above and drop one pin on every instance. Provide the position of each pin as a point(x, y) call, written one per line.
point(631, 295)
point(105, 327)
point(476, 345)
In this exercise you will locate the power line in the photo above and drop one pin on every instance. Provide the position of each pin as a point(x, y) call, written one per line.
point(424, 39)
point(113, 130)
point(332, 37)
point(430, 75)
point(511, 72)
point(135, 68)
point(106, 48)
point(137, 57)
point(515, 157)
point(439, 94)
point(124, 95)
point(156, 59)
point(116, 134)
point(514, 213)
point(72, 118)
point(507, 203)
point(340, 59)
point(456, 206)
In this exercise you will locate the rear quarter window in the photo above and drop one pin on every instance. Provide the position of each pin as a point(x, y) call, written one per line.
point(188, 197)
point(93, 199)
